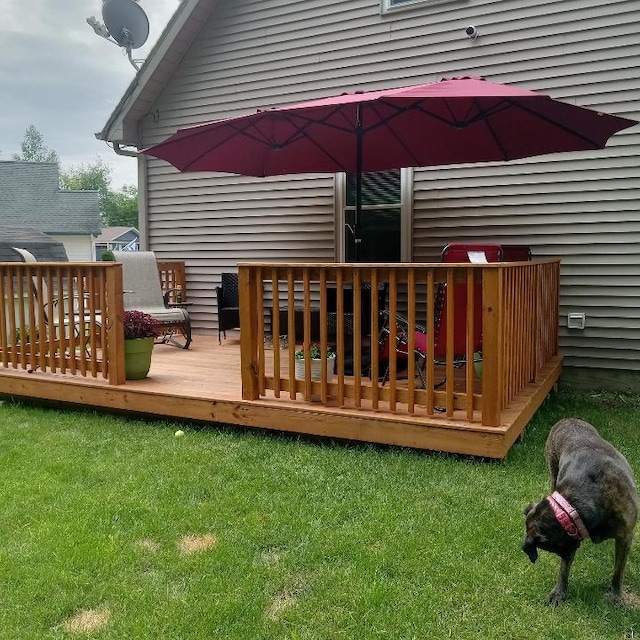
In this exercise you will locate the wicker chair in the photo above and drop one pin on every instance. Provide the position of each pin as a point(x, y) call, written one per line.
point(142, 292)
point(228, 304)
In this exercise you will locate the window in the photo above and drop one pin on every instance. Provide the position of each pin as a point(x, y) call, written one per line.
point(390, 5)
point(379, 235)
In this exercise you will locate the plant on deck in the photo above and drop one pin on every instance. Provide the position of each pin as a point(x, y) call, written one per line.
point(315, 352)
point(138, 324)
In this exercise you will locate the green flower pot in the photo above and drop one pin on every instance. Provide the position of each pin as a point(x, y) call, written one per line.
point(137, 357)
point(477, 364)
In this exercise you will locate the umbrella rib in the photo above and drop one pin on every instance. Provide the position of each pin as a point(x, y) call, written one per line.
point(466, 121)
point(485, 115)
point(235, 130)
point(554, 123)
point(508, 103)
point(384, 121)
point(301, 133)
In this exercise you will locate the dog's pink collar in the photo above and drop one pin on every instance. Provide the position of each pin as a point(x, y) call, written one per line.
point(568, 517)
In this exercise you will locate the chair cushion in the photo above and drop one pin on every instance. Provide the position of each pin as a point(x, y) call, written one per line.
point(163, 314)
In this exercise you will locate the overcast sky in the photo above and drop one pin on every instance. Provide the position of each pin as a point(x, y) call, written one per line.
point(58, 75)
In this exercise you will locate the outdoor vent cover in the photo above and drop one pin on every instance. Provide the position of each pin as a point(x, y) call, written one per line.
point(576, 321)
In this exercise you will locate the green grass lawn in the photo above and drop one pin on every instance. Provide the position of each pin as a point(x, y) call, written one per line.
point(224, 533)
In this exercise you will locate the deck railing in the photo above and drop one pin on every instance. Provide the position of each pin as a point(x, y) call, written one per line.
point(63, 317)
point(286, 307)
point(67, 317)
point(173, 276)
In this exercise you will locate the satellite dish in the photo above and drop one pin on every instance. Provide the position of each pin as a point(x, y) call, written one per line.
point(126, 22)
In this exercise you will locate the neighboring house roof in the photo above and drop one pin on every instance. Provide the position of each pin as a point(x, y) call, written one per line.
point(164, 58)
point(43, 247)
point(114, 234)
point(30, 195)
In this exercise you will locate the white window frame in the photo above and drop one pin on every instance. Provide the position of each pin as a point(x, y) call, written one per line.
point(388, 6)
point(406, 214)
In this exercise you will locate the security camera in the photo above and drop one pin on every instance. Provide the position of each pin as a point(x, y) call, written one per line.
point(471, 32)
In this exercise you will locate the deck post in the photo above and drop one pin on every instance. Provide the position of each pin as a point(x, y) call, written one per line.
point(248, 282)
point(491, 347)
point(114, 323)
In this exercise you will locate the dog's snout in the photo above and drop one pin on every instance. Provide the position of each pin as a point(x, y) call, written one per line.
point(529, 547)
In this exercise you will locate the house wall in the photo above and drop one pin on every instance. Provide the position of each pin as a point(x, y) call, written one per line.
point(78, 248)
point(582, 207)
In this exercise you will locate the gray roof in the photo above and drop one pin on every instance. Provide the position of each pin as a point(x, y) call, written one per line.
point(110, 234)
point(30, 195)
point(44, 248)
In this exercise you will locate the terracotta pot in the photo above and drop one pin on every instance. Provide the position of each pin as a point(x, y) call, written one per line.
point(137, 357)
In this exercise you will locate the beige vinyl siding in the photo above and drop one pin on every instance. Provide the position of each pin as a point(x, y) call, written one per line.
point(589, 217)
point(214, 222)
point(583, 207)
point(78, 248)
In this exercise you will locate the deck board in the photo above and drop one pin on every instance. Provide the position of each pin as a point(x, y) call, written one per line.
point(204, 384)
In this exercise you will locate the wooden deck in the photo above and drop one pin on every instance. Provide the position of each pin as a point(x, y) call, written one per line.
point(204, 384)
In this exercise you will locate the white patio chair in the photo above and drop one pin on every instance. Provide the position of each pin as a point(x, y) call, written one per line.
point(60, 324)
point(143, 292)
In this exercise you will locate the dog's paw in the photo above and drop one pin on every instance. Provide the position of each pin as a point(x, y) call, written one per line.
point(615, 598)
point(556, 597)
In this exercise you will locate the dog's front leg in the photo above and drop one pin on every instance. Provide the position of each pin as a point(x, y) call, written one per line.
point(623, 546)
point(559, 592)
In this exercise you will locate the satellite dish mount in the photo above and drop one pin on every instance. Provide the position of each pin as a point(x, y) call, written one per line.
point(125, 24)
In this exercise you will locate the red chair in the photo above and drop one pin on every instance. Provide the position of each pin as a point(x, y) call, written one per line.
point(402, 330)
point(516, 253)
point(452, 253)
point(458, 252)
point(463, 252)
point(470, 252)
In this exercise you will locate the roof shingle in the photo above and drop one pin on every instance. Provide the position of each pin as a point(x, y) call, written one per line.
point(30, 195)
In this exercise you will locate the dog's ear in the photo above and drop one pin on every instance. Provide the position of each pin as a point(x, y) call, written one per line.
point(528, 509)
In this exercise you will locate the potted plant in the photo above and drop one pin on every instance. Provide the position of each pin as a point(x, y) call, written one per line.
point(315, 355)
point(139, 334)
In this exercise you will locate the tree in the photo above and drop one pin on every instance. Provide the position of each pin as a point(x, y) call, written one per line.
point(95, 176)
point(120, 208)
point(117, 208)
point(33, 148)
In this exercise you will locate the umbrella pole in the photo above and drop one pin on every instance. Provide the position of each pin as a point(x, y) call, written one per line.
point(356, 223)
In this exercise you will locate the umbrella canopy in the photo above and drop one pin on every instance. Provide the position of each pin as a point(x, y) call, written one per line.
point(445, 122)
point(451, 121)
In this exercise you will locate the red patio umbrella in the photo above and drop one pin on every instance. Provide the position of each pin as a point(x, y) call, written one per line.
point(451, 121)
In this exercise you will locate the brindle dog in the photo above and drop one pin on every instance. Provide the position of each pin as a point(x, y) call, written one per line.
point(597, 481)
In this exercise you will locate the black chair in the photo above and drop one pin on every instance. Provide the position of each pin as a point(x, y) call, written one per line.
point(228, 304)
point(365, 304)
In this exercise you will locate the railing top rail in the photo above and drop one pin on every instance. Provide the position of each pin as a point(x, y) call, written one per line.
point(57, 265)
point(391, 265)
